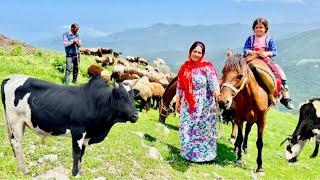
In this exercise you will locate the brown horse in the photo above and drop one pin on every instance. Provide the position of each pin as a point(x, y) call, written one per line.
point(167, 96)
point(240, 86)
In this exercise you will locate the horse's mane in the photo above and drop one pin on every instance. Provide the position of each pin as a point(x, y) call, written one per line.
point(234, 62)
point(171, 82)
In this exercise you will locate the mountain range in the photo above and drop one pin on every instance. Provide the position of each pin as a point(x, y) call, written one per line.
point(298, 48)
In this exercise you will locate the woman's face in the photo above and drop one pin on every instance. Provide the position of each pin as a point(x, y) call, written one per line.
point(260, 30)
point(196, 54)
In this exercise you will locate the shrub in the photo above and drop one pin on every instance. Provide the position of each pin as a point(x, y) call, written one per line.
point(38, 53)
point(59, 65)
point(17, 50)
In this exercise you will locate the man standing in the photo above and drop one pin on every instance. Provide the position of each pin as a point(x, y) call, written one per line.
point(72, 42)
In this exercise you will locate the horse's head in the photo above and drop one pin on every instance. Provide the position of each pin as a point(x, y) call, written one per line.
point(233, 80)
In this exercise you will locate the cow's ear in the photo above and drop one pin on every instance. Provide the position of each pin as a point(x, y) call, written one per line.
point(136, 92)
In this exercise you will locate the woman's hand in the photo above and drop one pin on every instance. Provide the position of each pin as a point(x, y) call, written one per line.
point(178, 104)
point(216, 95)
point(177, 108)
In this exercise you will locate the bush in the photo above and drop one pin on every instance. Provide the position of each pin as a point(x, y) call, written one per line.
point(59, 65)
point(17, 50)
point(3, 52)
point(38, 53)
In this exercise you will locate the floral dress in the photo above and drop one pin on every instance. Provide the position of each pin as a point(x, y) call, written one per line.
point(198, 134)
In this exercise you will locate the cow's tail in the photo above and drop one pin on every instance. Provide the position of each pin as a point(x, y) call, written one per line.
point(3, 98)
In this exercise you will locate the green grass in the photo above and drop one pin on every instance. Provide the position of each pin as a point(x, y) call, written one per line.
point(124, 153)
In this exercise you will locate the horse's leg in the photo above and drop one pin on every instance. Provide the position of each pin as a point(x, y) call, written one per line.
point(239, 144)
point(245, 141)
point(259, 144)
point(232, 138)
point(315, 152)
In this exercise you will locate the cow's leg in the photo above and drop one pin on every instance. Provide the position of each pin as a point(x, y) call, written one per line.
point(315, 152)
point(259, 144)
point(16, 137)
point(78, 149)
point(245, 141)
point(239, 144)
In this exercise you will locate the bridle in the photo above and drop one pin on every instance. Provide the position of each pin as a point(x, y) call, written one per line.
point(234, 89)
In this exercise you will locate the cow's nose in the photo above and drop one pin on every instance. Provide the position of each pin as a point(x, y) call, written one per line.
point(135, 116)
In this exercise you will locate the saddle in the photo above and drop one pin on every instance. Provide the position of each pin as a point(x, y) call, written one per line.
point(266, 79)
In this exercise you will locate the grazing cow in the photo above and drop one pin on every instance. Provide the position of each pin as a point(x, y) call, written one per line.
point(307, 127)
point(86, 113)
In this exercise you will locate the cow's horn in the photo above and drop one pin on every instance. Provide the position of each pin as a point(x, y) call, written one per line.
point(116, 85)
point(287, 139)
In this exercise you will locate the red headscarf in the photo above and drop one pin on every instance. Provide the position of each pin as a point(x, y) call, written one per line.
point(185, 77)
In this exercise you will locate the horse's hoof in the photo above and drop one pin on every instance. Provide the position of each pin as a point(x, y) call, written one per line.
point(239, 163)
point(232, 140)
point(26, 172)
point(161, 121)
point(245, 150)
point(235, 149)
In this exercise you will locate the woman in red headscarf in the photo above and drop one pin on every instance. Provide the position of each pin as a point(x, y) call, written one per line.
point(196, 91)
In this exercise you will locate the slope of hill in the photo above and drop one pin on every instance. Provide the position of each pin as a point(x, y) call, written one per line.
point(7, 44)
point(146, 149)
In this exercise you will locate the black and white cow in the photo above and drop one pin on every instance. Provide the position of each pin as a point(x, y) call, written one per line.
point(307, 127)
point(86, 113)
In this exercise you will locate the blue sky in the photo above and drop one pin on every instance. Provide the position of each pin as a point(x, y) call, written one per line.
point(26, 19)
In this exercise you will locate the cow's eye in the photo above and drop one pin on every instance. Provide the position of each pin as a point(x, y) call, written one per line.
point(123, 99)
point(289, 148)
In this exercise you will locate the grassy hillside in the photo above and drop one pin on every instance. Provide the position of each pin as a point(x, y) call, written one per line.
point(125, 153)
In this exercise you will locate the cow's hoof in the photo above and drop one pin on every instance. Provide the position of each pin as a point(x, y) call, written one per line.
point(260, 169)
point(313, 155)
point(239, 163)
point(78, 176)
point(293, 160)
point(75, 173)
